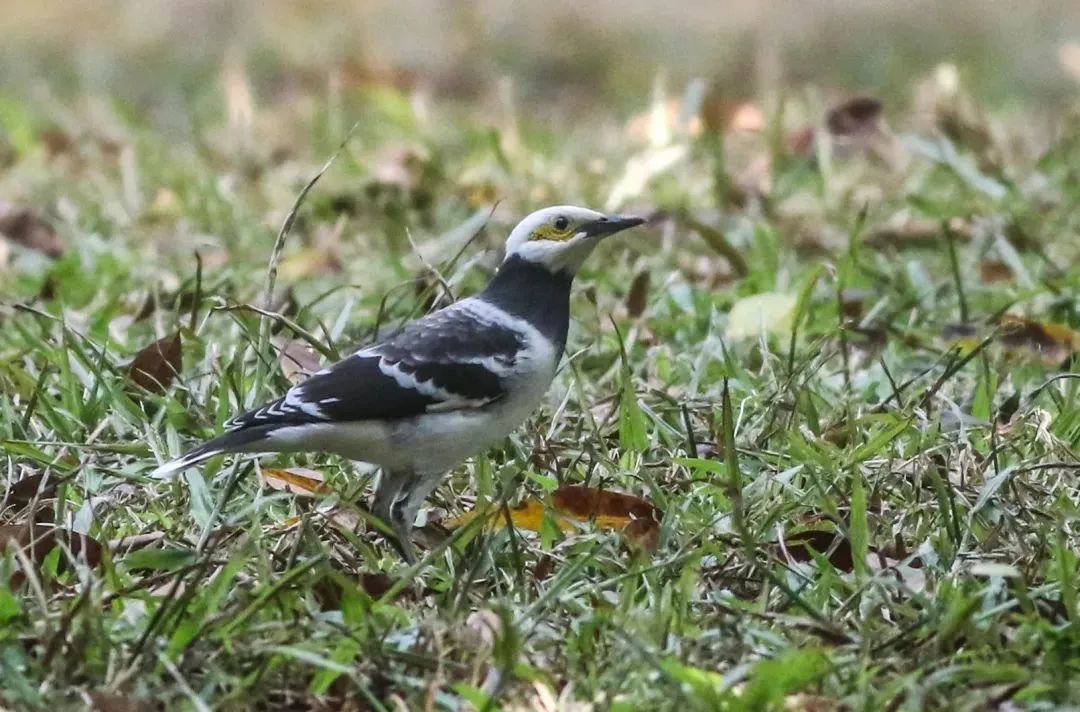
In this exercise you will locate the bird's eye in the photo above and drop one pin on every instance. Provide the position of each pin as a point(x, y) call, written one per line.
point(561, 223)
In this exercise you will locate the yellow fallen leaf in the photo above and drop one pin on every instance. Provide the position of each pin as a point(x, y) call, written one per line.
point(637, 518)
point(528, 515)
point(771, 312)
point(297, 480)
point(1052, 344)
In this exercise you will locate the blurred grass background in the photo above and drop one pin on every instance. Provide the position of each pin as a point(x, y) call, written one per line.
point(573, 55)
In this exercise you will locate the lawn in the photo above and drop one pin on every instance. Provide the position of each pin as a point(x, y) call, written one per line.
point(833, 374)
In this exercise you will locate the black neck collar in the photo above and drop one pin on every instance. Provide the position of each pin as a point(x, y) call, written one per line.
point(532, 292)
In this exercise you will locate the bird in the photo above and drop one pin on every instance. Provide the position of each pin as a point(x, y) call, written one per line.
point(442, 388)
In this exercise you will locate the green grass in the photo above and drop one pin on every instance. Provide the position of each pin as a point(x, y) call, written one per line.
point(937, 484)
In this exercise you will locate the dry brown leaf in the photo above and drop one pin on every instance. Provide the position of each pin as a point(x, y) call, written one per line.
point(155, 367)
point(608, 508)
point(26, 490)
point(296, 480)
point(298, 360)
point(995, 271)
point(638, 296)
point(1052, 344)
point(376, 584)
point(29, 229)
point(856, 117)
point(643, 534)
point(825, 542)
point(38, 540)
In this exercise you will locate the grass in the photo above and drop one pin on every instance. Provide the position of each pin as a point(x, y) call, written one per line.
point(870, 504)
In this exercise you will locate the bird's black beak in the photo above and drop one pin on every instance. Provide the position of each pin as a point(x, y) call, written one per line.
point(610, 224)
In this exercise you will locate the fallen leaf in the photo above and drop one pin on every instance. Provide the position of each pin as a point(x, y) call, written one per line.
point(296, 480)
point(527, 515)
point(825, 542)
point(995, 271)
point(34, 487)
point(38, 540)
point(577, 503)
point(298, 360)
point(1052, 344)
point(30, 230)
point(771, 312)
point(155, 367)
point(608, 508)
point(376, 584)
point(638, 296)
point(643, 533)
point(859, 116)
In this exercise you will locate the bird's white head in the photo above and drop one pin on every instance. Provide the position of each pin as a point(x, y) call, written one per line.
point(561, 237)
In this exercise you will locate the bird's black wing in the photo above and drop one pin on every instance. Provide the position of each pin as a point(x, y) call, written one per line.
point(450, 360)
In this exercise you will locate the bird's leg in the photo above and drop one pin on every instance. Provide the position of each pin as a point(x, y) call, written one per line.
point(390, 504)
point(402, 524)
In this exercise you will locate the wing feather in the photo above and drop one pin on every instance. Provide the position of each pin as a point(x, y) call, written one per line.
point(454, 359)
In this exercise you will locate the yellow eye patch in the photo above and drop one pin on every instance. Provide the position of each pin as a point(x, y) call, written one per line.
point(550, 232)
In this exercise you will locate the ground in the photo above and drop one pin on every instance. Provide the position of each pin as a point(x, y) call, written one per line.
point(833, 372)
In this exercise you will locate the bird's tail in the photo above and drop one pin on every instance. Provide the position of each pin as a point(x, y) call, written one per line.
point(240, 440)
